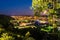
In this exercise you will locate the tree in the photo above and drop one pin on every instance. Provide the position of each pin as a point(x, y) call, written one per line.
point(53, 7)
point(38, 5)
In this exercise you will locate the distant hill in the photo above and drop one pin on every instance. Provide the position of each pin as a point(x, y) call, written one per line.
point(5, 20)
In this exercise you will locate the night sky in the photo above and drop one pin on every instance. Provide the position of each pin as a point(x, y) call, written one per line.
point(15, 7)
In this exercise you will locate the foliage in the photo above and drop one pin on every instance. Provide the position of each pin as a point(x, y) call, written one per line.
point(5, 36)
point(38, 4)
point(53, 10)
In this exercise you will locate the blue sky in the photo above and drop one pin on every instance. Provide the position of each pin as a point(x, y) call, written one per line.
point(15, 7)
